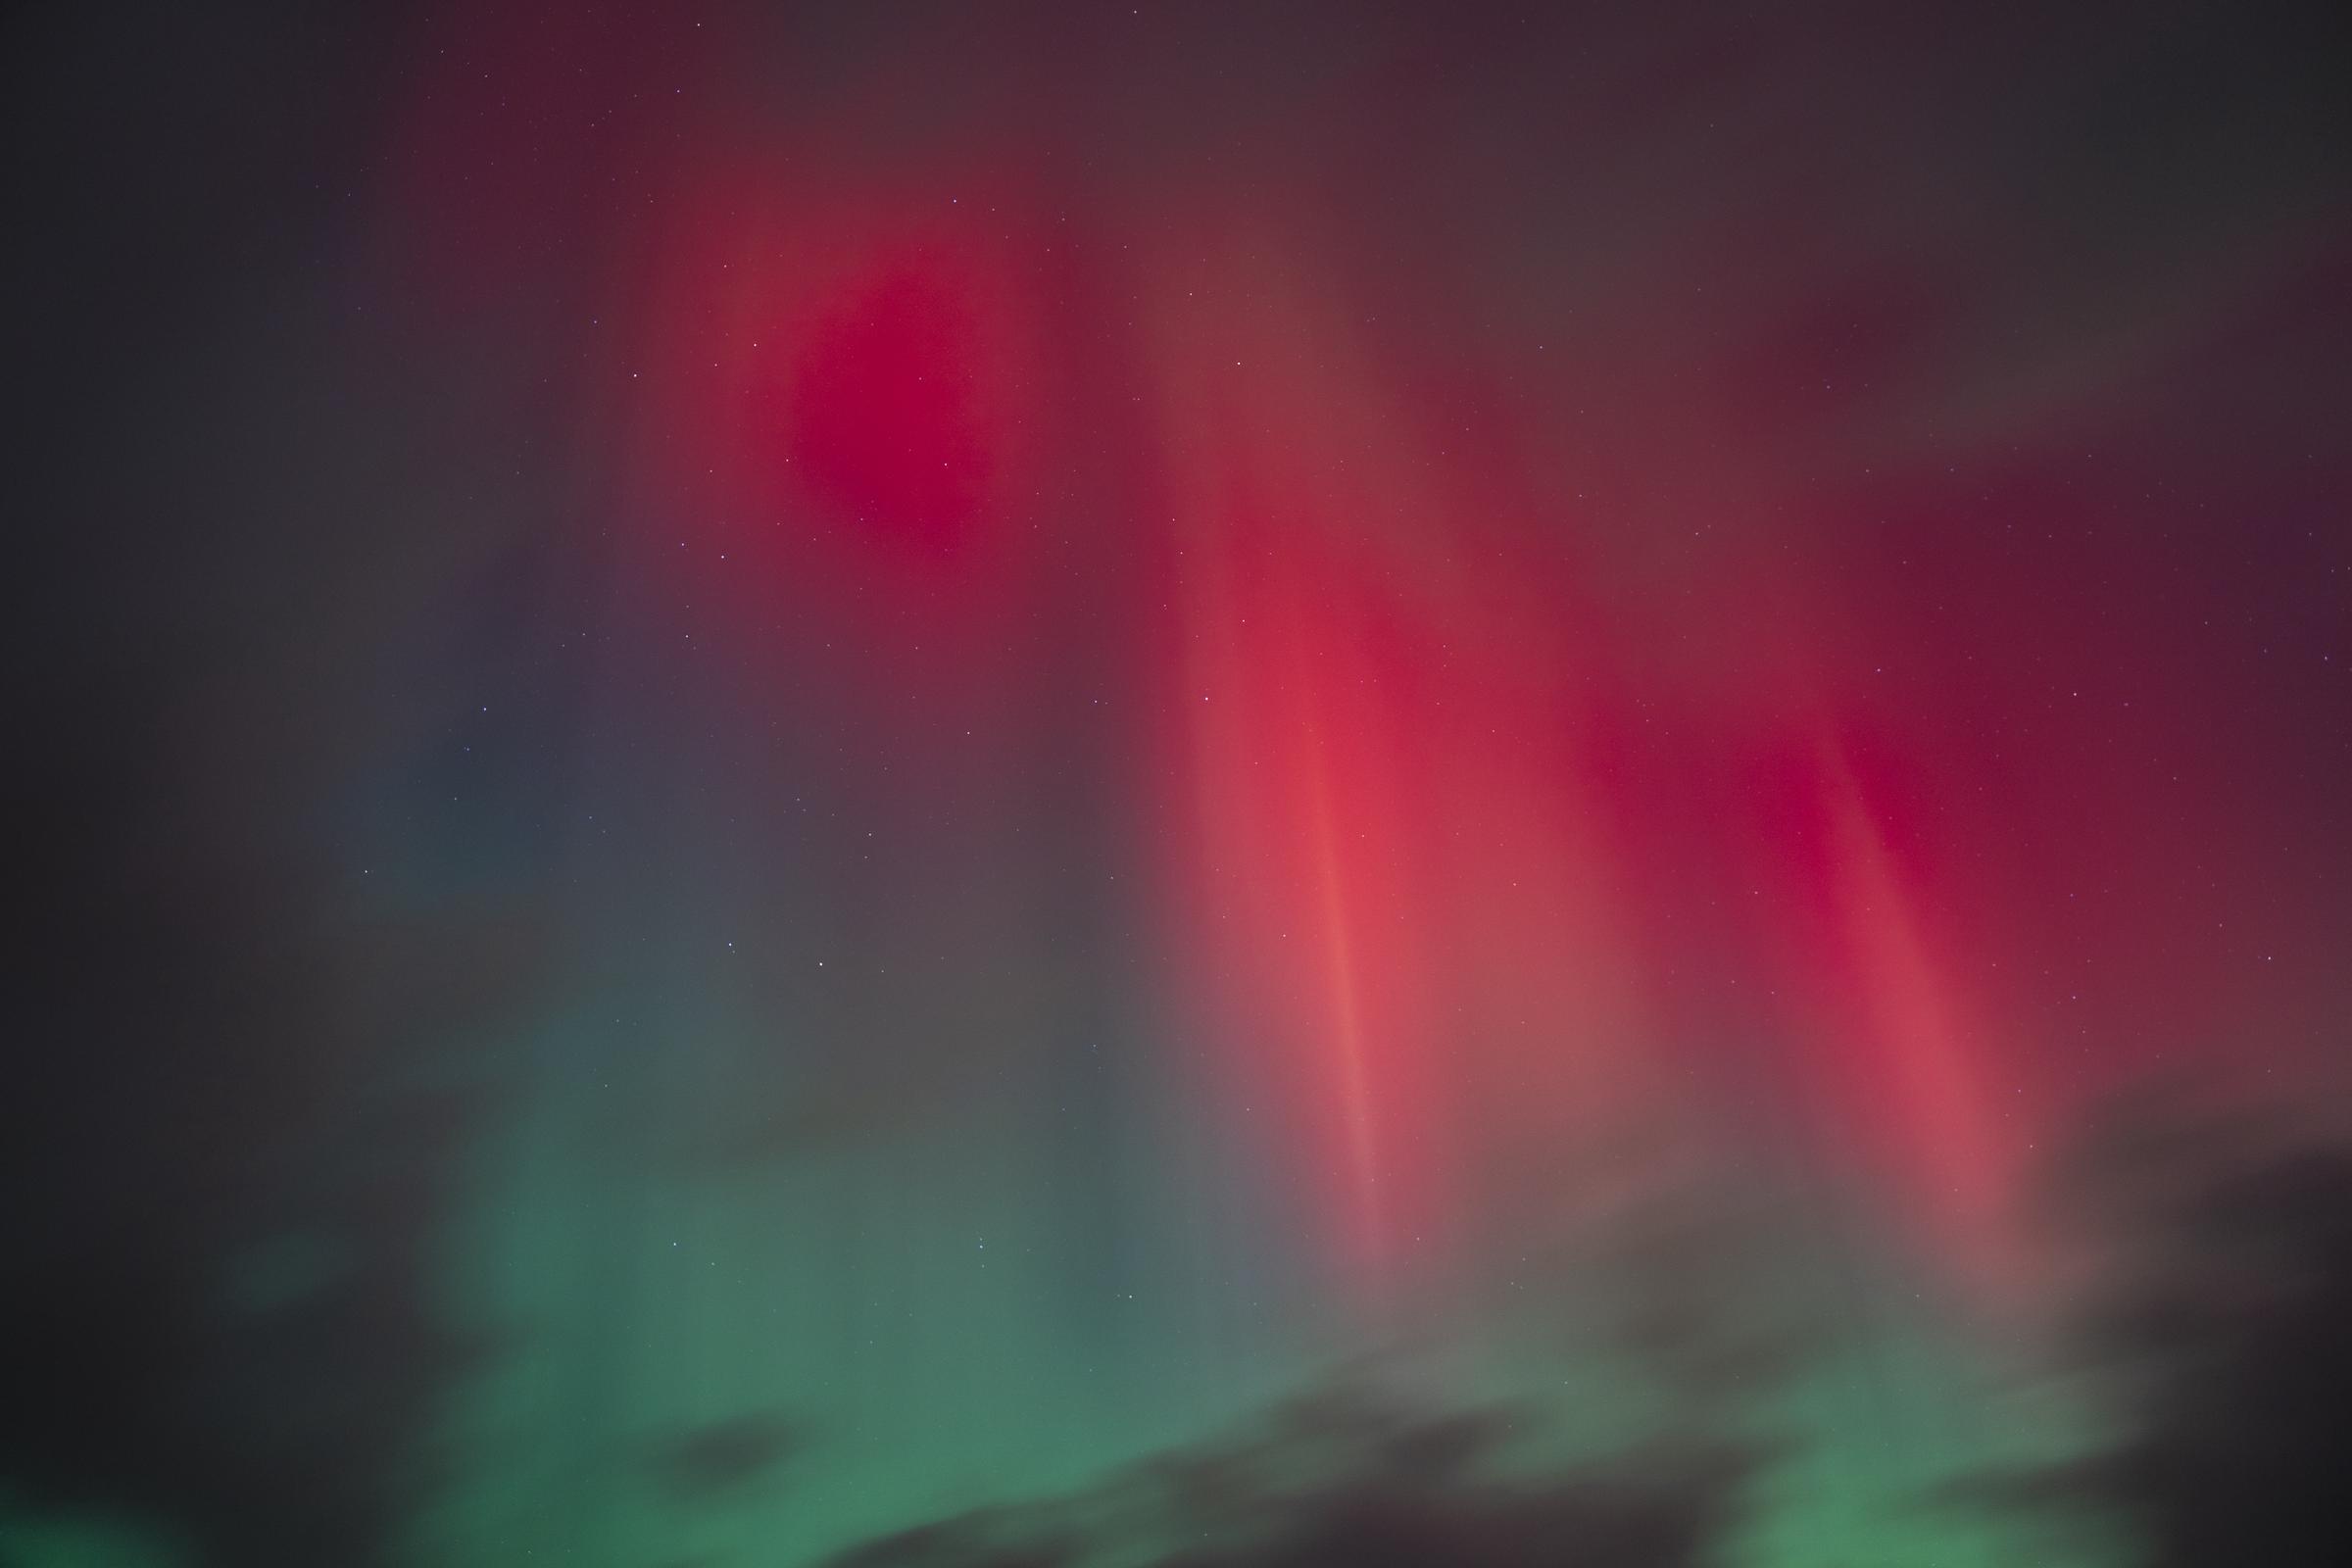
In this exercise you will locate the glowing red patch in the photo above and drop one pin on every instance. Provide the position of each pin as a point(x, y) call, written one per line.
point(890, 421)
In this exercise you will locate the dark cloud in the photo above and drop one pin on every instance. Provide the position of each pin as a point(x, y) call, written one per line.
point(717, 1460)
point(2221, 1335)
point(1349, 1476)
point(226, 1166)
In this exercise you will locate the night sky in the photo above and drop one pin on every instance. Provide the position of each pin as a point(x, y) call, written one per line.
point(1074, 786)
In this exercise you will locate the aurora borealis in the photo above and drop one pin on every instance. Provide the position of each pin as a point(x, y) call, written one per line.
point(1050, 786)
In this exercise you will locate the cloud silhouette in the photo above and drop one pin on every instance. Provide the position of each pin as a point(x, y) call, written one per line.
point(1349, 1477)
point(2221, 1336)
point(712, 1461)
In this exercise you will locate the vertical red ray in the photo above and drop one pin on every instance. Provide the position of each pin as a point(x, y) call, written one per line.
point(1904, 1063)
point(1343, 1006)
point(1388, 875)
